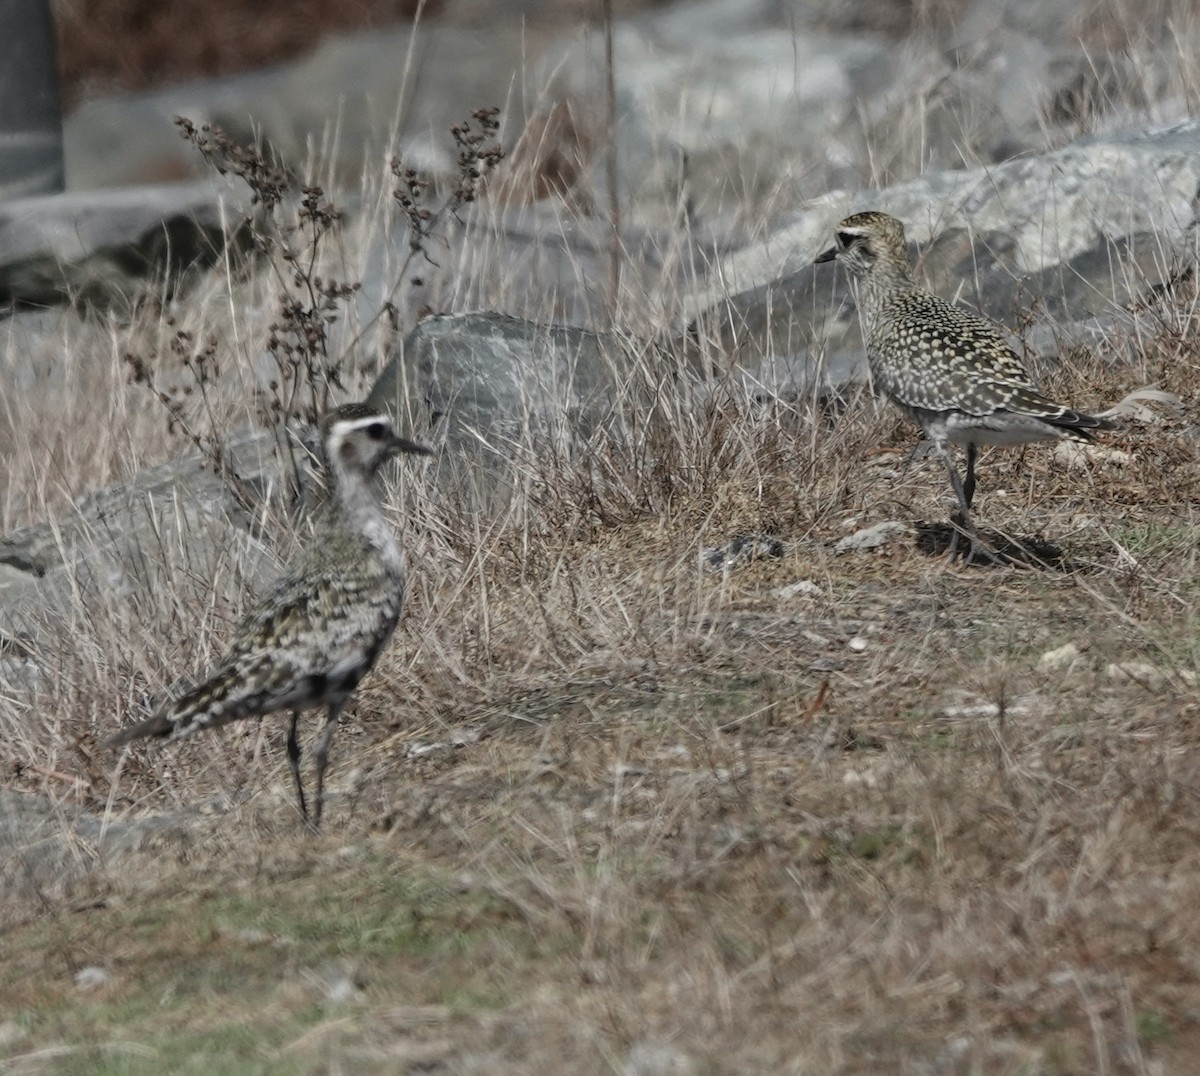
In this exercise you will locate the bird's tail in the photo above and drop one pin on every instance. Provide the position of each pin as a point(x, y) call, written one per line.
point(216, 701)
point(159, 725)
point(1073, 425)
point(1077, 424)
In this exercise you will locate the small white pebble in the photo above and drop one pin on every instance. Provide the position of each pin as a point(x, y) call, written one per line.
point(92, 978)
point(251, 936)
point(805, 588)
point(11, 1033)
point(858, 644)
point(339, 990)
point(1144, 673)
point(1069, 454)
point(860, 779)
point(870, 537)
point(985, 709)
point(1058, 658)
point(657, 1059)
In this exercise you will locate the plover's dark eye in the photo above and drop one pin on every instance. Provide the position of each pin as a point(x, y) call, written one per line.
point(846, 238)
point(376, 431)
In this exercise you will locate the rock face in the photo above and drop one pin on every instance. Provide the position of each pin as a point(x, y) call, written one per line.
point(119, 542)
point(1071, 232)
point(488, 388)
point(49, 847)
point(108, 248)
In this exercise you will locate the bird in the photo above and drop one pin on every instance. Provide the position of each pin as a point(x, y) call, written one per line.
point(317, 631)
point(950, 371)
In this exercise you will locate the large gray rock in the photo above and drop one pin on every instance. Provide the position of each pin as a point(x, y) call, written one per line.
point(50, 848)
point(496, 393)
point(101, 248)
point(1050, 208)
point(1071, 233)
point(485, 380)
point(530, 262)
point(355, 99)
point(118, 544)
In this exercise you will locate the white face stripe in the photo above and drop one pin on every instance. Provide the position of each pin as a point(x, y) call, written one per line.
point(348, 425)
point(345, 427)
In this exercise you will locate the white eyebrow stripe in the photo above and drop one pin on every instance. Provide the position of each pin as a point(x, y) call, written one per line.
point(344, 426)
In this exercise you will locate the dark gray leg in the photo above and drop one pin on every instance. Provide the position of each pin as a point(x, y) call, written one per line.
point(977, 552)
point(293, 753)
point(321, 753)
point(964, 502)
point(969, 483)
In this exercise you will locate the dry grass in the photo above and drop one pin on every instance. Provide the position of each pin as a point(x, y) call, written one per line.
point(597, 803)
point(595, 800)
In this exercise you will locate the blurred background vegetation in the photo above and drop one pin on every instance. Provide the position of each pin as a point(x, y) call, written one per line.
point(109, 45)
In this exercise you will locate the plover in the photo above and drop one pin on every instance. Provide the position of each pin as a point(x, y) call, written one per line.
point(314, 635)
point(950, 371)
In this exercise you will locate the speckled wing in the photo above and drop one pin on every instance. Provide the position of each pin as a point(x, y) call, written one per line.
point(310, 639)
point(928, 353)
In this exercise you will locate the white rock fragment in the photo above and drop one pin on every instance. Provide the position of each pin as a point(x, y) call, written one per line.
point(858, 644)
point(860, 779)
point(986, 709)
point(658, 1059)
point(805, 588)
point(1151, 676)
point(870, 537)
point(1070, 455)
point(1058, 658)
point(340, 990)
point(334, 983)
point(251, 935)
point(461, 738)
point(92, 978)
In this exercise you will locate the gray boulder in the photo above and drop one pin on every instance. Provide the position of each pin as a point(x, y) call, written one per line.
point(48, 848)
point(497, 391)
point(485, 379)
point(116, 545)
point(1071, 234)
point(528, 261)
point(355, 99)
point(106, 247)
